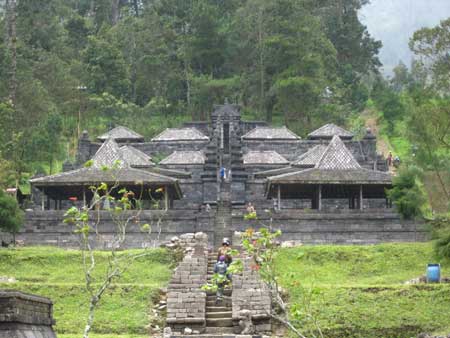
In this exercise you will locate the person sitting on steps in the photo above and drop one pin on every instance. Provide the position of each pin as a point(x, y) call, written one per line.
point(221, 268)
point(224, 251)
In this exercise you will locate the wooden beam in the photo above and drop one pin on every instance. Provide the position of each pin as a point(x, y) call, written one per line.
point(279, 197)
point(319, 197)
point(43, 199)
point(360, 197)
point(166, 198)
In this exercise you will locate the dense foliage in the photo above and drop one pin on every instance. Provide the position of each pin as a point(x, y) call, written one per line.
point(85, 64)
point(11, 216)
point(406, 193)
point(414, 109)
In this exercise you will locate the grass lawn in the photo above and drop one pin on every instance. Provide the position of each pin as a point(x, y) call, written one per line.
point(57, 274)
point(359, 291)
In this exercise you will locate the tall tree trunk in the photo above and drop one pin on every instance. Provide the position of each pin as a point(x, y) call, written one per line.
point(115, 12)
point(136, 7)
point(13, 48)
point(261, 65)
point(133, 69)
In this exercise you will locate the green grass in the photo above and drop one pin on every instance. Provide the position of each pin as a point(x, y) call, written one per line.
point(57, 274)
point(359, 291)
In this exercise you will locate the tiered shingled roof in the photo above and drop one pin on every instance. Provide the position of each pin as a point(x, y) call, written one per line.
point(264, 157)
point(93, 176)
point(136, 158)
point(336, 166)
point(269, 133)
point(311, 157)
point(328, 131)
point(108, 155)
point(122, 134)
point(185, 157)
point(227, 109)
point(111, 156)
point(180, 134)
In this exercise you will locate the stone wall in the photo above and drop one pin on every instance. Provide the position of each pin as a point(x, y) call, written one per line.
point(23, 315)
point(249, 293)
point(186, 302)
point(338, 227)
point(309, 226)
point(47, 228)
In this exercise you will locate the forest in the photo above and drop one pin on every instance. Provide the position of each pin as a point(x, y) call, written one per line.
point(74, 65)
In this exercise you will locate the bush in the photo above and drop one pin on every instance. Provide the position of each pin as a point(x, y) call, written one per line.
point(440, 231)
point(11, 217)
point(406, 194)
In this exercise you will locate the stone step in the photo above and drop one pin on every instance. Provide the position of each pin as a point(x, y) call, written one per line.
point(212, 295)
point(219, 322)
point(221, 331)
point(210, 309)
point(223, 302)
point(223, 314)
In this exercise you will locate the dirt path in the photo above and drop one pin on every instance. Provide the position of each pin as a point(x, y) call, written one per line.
point(372, 123)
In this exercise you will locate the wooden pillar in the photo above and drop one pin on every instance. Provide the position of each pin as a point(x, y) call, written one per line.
point(43, 199)
point(279, 197)
point(360, 197)
point(84, 197)
point(166, 198)
point(55, 202)
point(319, 197)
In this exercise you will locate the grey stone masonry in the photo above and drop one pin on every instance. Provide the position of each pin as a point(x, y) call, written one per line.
point(47, 228)
point(250, 293)
point(186, 302)
point(25, 316)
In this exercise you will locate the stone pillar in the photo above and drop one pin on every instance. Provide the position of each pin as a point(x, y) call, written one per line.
point(23, 315)
point(84, 149)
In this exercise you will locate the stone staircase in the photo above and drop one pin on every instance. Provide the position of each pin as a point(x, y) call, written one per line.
point(218, 314)
point(223, 217)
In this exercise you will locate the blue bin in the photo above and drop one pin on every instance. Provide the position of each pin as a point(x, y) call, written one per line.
point(433, 273)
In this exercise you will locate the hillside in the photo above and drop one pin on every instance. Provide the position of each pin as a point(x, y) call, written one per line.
point(360, 291)
point(125, 311)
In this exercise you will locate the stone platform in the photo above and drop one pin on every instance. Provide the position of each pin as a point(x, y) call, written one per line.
point(306, 226)
point(25, 316)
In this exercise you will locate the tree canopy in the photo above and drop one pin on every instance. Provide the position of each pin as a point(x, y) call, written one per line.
point(85, 64)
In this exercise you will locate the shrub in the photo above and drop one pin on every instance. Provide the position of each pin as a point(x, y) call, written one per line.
point(440, 231)
point(11, 217)
point(406, 193)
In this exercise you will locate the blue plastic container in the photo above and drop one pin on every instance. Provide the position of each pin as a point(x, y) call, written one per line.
point(433, 273)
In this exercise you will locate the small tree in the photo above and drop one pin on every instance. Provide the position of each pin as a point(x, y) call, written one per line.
point(263, 247)
point(124, 210)
point(406, 194)
point(11, 217)
point(440, 232)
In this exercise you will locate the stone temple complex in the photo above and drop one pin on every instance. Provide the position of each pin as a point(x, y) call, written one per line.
point(328, 188)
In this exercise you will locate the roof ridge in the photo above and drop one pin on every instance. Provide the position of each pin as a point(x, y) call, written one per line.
point(131, 133)
point(340, 152)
